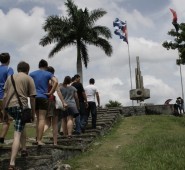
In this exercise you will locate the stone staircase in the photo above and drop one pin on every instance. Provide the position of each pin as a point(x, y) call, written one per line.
point(47, 156)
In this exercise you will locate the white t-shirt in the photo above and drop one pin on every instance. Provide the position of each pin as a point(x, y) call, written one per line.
point(90, 91)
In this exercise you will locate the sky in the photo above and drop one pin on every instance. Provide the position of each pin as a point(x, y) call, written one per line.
point(148, 23)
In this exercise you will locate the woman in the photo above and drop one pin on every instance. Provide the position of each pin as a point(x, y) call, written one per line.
point(71, 98)
point(52, 113)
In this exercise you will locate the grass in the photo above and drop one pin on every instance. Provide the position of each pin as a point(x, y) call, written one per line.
point(155, 142)
point(30, 130)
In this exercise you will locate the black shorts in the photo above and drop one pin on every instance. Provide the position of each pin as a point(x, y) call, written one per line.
point(41, 104)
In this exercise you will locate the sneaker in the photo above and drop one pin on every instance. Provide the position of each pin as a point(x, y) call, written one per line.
point(76, 133)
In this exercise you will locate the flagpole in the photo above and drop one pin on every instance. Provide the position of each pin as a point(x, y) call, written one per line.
point(130, 68)
point(180, 73)
point(181, 78)
point(123, 27)
point(129, 64)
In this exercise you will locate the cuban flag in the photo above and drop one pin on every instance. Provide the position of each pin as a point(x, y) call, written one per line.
point(120, 29)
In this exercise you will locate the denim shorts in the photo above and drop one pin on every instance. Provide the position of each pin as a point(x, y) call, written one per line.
point(14, 112)
point(70, 111)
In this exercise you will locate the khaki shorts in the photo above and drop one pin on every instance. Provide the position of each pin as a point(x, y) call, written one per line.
point(51, 109)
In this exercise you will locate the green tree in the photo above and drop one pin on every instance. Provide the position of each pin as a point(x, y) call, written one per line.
point(77, 29)
point(178, 43)
point(112, 103)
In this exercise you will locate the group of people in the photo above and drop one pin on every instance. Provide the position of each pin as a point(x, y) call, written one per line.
point(41, 87)
point(179, 107)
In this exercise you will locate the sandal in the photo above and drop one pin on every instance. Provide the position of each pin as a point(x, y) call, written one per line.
point(69, 136)
point(13, 167)
point(24, 153)
point(40, 143)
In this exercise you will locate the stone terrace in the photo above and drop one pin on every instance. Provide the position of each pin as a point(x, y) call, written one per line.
point(48, 156)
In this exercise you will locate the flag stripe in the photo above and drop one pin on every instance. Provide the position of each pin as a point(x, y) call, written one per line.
point(120, 29)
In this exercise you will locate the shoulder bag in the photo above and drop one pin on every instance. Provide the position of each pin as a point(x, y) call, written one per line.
point(26, 114)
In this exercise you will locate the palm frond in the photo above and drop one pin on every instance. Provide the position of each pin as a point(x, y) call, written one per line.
point(84, 53)
point(72, 9)
point(96, 14)
point(103, 31)
point(104, 45)
point(58, 47)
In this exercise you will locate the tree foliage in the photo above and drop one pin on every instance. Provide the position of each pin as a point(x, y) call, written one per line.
point(77, 29)
point(178, 43)
point(112, 103)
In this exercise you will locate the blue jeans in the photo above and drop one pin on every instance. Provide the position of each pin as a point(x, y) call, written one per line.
point(81, 120)
point(92, 109)
point(78, 125)
point(83, 115)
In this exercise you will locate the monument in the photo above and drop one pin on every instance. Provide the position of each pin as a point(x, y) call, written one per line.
point(140, 93)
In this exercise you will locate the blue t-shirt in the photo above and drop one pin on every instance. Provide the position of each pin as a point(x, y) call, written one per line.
point(5, 71)
point(41, 79)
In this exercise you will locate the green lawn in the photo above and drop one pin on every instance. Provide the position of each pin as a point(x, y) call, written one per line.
point(138, 143)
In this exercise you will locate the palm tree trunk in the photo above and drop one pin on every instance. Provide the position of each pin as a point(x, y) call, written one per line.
point(79, 64)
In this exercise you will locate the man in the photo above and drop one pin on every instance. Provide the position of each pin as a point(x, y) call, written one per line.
point(81, 120)
point(25, 88)
point(5, 72)
point(181, 105)
point(91, 91)
point(41, 78)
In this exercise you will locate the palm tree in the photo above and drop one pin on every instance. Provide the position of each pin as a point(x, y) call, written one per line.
point(77, 29)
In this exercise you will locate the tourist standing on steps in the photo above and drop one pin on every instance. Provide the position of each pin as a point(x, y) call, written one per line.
point(71, 111)
point(51, 115)
point(91, 91)
point(25, 88)
point(81, 120)
point(41, 79)
point(5, 72)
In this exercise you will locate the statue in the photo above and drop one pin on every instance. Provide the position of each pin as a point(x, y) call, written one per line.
point(140, 93)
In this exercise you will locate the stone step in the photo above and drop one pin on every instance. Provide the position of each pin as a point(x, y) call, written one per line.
point(28, 163)
point(47, 156)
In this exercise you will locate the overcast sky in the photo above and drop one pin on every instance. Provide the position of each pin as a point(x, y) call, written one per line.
point(148, 22)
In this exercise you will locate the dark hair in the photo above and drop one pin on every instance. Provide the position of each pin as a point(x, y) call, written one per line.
point(23, 67)
point(73, 79)
point(76, 76)
point(67, 80)
point(91, 81)
point(43, 63)
point(4, 57)
point(51, 69)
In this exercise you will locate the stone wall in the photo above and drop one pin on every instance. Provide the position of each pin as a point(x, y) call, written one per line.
point(148, 110)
